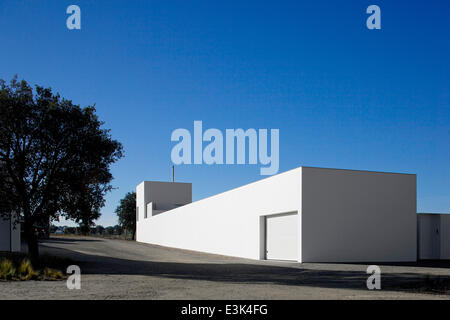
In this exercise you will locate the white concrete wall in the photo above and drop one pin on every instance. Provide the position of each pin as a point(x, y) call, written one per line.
point(15, 238)
point(9, 236)
point(163, 195)
point(358, 216)
point(5, 235)
point(445, 236)
point(429, 236)
point(344, 216)
point(140, 205)
point(434, 236)
point(228, 223)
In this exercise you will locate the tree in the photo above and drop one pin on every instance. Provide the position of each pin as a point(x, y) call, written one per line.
point(55, 158)
point(126, 211)
point(70, 230)
point(99, 230)
point(118, 230)
point(109, 231)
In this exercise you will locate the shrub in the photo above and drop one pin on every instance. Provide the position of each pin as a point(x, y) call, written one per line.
point(26, 271)
point(17, 266)
point(51, 274)
point(7, 270)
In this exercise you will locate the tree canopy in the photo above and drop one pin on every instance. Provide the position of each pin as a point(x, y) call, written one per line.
point(126, 211)
point(55, 158)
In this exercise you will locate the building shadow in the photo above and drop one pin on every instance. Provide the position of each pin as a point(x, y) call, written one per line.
point(247, 273)
point(69, 240)
point(418, 264)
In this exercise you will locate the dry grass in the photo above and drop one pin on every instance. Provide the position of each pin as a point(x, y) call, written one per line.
point(26, 271)
point(7, 270)
point(17, 266)
point(52, 274)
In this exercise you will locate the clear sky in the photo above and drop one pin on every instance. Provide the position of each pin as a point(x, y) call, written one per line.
point(341, 95)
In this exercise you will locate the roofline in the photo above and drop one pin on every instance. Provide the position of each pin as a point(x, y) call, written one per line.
point(296, 168)
point(164, 182)
point(431, 213)
point(357, 170)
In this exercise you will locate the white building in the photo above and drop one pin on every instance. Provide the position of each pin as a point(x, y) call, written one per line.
point(9, 235)
point(434, 236)
point(305, 214)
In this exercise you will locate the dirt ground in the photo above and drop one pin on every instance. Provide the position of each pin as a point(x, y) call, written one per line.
point(119, 269)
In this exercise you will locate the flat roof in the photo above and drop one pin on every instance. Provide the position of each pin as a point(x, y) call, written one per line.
point(359, 170)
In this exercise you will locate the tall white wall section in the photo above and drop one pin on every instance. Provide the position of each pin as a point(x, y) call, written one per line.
point(358, 216)
point(229, 223)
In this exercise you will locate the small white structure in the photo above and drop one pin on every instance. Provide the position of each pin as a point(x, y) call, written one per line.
point(9, 235)
point(153, 198)
point(305, 214)
point(434, 236)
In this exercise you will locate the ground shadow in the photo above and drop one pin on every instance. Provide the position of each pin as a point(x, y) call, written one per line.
point(420, 264)
point(63, 239)
point(252, 273)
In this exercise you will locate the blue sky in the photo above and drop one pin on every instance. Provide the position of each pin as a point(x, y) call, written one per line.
point(341, 95)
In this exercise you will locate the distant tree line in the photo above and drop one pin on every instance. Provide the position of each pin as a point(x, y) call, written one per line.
point(126, 213)
point(98, 230)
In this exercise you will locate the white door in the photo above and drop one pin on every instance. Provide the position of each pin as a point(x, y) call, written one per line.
point(282, 237)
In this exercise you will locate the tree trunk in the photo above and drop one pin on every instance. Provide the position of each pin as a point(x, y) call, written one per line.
point(33, 248)
point(32, 241)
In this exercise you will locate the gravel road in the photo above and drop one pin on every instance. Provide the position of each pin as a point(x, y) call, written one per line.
point(117, 269)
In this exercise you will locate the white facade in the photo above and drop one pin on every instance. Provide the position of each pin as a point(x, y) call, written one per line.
point(153, 198)
point(358, 216)
point(434, 236)
point(229, 223)
point(305, 214)
point(9, 235)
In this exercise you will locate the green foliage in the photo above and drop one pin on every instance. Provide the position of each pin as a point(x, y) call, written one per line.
point(118, 230)
point(109, 231)
point(26, 271)
point(98, 230)
point(7, 270)
point(126, 211)
point(70, 230)
point(55, 158)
